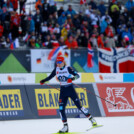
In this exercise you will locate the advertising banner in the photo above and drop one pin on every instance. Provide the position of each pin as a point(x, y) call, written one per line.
point(80, 59)
point(14, 103)
point(17, 79)
point(121, 94)
point(15, 61)
point(116, 60)
point(45, 101)
point(108, 77)
point(40, 62)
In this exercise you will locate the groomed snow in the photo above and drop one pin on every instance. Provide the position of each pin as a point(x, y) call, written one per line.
point(112, 125)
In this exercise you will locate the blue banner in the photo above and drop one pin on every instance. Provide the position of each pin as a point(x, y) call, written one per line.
point(80, 61)
point(128, 77)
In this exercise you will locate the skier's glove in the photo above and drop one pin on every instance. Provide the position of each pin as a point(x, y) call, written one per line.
point(70, 80)
point(42, 82)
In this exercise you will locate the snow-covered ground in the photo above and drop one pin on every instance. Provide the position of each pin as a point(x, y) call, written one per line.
point(112, 125)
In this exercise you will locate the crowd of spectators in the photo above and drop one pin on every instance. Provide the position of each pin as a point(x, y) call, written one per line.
point(95, 24)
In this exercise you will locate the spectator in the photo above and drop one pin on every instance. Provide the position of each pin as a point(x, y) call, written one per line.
point(60, 11)
point(129, 5)
point(44, 31)
point(109, 20)
point(31, 25)
point(89, 10)
point(45, 10)
point(48, 42)
point(70, 11)
point(102, 8)
point(38, 5)
point(61, 41)
point(104, 25)
point(64, 30)
point(1, 3)
point(1, 30)
point(54, 41)
point(76, 21)
point(71, 42)
point(57, 30)
point(8, 5)
point(38, 20)
point(22, 5)
point(15, 23)
point(100, 41)
point(128, 34)
point(15, 4)
point(93, 4)
point(24, 24)
point(84, 39)
point(62, 19)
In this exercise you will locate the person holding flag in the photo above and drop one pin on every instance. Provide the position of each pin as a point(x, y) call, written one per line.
point(65, 75)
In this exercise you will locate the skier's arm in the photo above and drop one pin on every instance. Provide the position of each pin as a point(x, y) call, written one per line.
point(49, 77)
point(74, 73)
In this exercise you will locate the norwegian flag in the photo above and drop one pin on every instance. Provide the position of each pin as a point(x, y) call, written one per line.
point(115, 60)
point(82, 2)
point(90, 56)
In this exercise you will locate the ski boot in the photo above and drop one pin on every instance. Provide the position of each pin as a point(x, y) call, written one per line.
point(93, 121)
point(64, 129)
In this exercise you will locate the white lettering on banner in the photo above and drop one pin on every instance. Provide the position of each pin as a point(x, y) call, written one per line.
point(132, 94)
point(112, 58)
point(115, 96)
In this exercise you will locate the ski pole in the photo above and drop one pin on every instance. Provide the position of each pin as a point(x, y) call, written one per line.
point(94, 94)
point(57, 89)
point(52, 86)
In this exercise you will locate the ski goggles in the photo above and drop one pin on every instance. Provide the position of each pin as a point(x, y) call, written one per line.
point(59, 62)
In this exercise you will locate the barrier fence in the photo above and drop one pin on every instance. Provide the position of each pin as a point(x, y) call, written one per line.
point(29, 100)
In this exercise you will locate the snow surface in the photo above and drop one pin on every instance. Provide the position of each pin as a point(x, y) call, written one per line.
point(112, 125)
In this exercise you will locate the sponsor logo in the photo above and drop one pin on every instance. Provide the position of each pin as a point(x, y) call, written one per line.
point(120, 94)
point(47, 101)
point(13, 78)
point(108, 77)
point(115, 95)
point(11, 103)
point(64, 72)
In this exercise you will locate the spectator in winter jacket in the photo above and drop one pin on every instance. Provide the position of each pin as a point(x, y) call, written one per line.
point(104, 25)
point(1, 30)
point(62, 19)
point(38, 5)
point(38, 20)
point(60, 11)
point(15, 4)
point(8, 4)
point(15, 23)
point(128, 34)
point(1, 3)
point(22, 5)
point(129, 5)
point(70, 11)
point(93, 4)
point(71, 43)
point(45, 10)
point(31, 25)
point(102, 8)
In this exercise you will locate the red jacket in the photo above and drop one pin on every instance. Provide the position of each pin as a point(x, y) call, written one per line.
point(1, 30)
point(15, 20)
point(15, 3)
point(72, 44)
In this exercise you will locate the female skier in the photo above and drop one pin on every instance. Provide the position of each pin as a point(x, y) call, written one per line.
point(63, 74)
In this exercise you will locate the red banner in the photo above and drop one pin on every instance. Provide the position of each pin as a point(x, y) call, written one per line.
point(121, 94)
